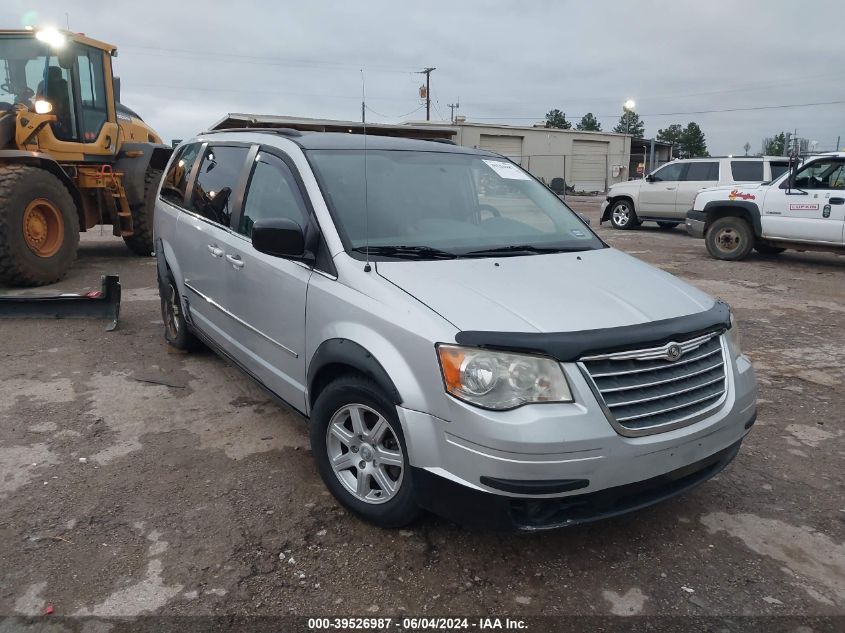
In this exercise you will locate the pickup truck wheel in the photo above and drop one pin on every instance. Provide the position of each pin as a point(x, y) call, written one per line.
point(766, 249)
point(729, 238)
point(667, 226)
point(360, 452)
point(623, 216)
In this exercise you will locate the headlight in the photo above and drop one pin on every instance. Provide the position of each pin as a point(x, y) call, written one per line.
point(498, 380)
point(733, 337)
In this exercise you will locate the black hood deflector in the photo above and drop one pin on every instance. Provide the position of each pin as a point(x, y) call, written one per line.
point(570, 346)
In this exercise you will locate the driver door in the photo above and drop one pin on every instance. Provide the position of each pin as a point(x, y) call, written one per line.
point(659, 192)
point(813, 209)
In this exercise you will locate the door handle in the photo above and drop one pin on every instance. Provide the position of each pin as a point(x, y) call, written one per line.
point(236, 261)
point(671, 188)
point(837, 201)
point(215, 250)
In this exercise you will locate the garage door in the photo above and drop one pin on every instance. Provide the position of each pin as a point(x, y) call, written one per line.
point(510, 146)
point(589, 165)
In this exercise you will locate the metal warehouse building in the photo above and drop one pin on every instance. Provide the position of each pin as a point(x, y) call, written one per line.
point(587, 161)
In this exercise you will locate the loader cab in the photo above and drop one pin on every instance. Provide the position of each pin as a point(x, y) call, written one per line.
point(70, 78)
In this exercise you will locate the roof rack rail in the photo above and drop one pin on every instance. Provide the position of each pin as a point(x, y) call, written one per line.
point(447, 141)
point(282, 131)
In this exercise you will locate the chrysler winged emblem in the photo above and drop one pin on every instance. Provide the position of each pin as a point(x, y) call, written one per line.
point(674, 352)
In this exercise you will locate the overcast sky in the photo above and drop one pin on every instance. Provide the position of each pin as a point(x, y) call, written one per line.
point(185, 63)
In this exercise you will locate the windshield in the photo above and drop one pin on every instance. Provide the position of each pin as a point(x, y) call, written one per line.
point(24, 64)
point(447, 203)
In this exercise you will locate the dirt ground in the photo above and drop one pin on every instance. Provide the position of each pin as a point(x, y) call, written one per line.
point(136, 480)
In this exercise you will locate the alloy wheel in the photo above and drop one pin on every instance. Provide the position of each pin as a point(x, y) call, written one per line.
point(621, 215)
point(172, 313)
point(365, 453)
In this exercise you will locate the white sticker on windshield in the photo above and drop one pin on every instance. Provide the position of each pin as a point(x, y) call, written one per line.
point(506, 170)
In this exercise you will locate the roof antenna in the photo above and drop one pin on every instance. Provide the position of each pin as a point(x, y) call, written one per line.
point(367, 267)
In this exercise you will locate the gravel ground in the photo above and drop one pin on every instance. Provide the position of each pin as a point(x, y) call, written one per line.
point(135, 480)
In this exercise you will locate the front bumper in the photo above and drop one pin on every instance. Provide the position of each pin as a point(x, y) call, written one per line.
point(605, 211)
point(483, 510)
point(551, 465)
point(696, 222)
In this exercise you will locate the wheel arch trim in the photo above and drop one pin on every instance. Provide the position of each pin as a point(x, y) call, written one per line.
point(738, 208)
point(342, 351)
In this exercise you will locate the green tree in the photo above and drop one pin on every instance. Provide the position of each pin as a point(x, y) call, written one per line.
point(693, 143)
point(629, 123)
point(556, 118)
point(672, 134)
point(589, 123)
point(775, 145)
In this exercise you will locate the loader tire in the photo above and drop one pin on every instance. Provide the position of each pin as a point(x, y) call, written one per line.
point(141, 242)
point(39, 227)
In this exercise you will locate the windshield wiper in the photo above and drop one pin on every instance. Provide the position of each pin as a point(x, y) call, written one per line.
point(525, 249)
point(404, 251)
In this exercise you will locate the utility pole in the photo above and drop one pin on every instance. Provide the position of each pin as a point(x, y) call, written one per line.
point(427, 73)
point(453, 107)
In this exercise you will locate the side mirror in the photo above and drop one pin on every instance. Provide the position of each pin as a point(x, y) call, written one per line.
point(280, 237)
point(584, 219)
point(116, 88)
point(650, 178)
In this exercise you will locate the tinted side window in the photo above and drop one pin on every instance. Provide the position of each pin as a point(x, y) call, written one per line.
point(272, 193)
point(218, 177)
point(669, 173)
point(176, 179)
point(703, 171)
point(778, 169)
point(747, 170)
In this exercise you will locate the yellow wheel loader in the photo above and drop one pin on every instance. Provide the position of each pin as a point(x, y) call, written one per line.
point(71, 155)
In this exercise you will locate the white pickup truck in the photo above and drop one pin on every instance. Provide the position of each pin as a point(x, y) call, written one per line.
point(802, 210)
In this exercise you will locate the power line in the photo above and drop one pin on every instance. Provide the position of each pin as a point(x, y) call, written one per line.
point(153, 51)
point(188, 88)
point(657, 114)
point(398, 116)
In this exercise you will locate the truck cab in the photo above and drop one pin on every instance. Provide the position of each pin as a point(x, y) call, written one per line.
point(804, 209)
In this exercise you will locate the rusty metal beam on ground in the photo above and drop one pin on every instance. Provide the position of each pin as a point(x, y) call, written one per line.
point(97, 304)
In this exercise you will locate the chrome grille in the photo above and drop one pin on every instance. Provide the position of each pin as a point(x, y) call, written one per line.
point(646, 392)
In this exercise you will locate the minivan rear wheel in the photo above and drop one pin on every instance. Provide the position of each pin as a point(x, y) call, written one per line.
point(623, 216)
point(175, 327)
point(360, 452)
point(729, 238)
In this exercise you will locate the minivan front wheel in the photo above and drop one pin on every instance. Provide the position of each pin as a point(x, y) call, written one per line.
point(360, 452)
point(623, 216)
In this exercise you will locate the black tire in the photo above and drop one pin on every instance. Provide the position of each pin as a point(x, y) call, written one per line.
point(729, 238)
point(20, 265)
point(667, 226)
point(353, 389)
point(141, 242)
point(767, 249)
point(623, 216)
point(176, 331)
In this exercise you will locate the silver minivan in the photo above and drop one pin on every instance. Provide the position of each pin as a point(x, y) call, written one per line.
point(457, 338)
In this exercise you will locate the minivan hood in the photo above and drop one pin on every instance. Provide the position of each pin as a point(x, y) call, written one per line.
point(561, 292)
